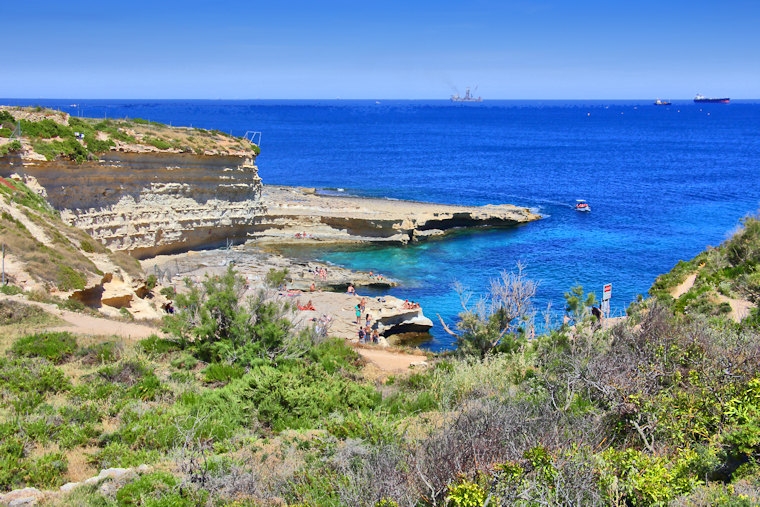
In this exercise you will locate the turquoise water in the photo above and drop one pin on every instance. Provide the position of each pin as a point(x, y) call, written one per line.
point(663, 182)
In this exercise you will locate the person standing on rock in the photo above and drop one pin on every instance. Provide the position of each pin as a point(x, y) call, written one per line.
point(358, 314)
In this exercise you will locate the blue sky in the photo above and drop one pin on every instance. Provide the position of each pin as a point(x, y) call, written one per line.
point(509, 49)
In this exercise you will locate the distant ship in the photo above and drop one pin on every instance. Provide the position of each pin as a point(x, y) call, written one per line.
point(659, 102)
point(467, 97)
point(709, 100)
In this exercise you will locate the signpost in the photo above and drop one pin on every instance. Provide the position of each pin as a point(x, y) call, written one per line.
point(606, 296)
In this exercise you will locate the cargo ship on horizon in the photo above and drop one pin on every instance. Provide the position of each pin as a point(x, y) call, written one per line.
point(467, 97)
point(709, 100)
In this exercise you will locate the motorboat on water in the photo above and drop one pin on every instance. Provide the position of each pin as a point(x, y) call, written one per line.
point(582, 205)
point(659, 102)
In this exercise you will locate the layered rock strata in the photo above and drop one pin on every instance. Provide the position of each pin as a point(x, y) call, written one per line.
point(302, 215)
point(154, 203)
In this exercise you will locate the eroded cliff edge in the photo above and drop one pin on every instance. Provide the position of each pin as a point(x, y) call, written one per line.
point(161, 203)
point(152, 203)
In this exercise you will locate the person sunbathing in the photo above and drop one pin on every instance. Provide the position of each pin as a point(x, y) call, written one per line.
point(307, 306)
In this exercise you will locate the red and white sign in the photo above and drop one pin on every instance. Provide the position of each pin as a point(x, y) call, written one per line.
point(607, 292)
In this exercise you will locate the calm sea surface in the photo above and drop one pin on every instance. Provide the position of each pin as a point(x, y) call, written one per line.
point(663, 182)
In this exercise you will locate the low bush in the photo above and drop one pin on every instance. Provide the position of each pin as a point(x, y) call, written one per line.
point(335, 355)
point(301, 396)
point(10, 290)
point(222, 372)
point(159, 489)
point(157, 143)
point(69, 279)
point(118, 454)
point(56, 347)
point(12, 147)
point(45, 129)
point(106, 352)
point(86, 246)
point(6, 117)
point(154, 344)
point(148, 388)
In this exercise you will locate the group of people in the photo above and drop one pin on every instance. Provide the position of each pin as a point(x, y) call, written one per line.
point(368, 335)
point(320, 273)
point(410, 305)
point(359, 308)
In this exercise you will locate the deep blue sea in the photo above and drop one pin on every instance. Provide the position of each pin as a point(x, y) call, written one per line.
point(663, 182)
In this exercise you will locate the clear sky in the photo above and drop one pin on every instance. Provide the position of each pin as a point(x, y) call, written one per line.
point(283, 49)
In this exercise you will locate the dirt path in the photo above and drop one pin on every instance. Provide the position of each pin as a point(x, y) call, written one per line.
point(682, 288)
point(93, 326)
point(385, 360)
point(390, 361)
point(740, 308)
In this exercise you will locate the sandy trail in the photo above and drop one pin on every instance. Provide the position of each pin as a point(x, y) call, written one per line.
point(385, 360)
point(79, 323)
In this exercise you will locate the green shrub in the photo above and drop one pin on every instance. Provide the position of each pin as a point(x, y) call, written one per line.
point(301, 396)
point(24, 382)
point(69, 279)
point(12, 147)
point(466, 494)
point(372, 426)
point(45, 129)
point(168, 292)
point(185, 362)
point(6, 117)
point(73, 305)
point(10, 290)
point(68, 148)
point(126, 373)
point(154, 344)
point(276, 277)
point(56, 347)
point(159, 489)
point(86, 246)
point(157, 143)
point(99, 146)
point(106, 352)
point(335, 355)
point(222, 372)
point(148, 388)
point(119, 454)
point(151, 281)
point(5, 132)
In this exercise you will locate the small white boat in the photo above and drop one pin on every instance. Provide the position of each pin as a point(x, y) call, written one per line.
point(582, 205)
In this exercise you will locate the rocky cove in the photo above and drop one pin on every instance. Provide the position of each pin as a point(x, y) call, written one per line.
point(154, 204)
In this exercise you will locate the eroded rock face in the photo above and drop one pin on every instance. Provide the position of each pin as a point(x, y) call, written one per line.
point(154, 203)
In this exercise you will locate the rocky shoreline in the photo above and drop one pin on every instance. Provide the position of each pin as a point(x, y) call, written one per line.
point(295, 214)
point(302, 216)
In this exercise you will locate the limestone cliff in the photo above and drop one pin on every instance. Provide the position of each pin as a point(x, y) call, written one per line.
point(152, 203)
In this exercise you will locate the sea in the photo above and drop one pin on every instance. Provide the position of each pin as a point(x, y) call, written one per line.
point(663, 182)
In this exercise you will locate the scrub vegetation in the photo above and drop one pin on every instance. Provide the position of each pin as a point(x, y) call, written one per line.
point(54, 134)
point(235, 406)
point(59, 261)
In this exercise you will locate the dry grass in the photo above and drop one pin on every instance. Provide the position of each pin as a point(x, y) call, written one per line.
point(79, 466)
